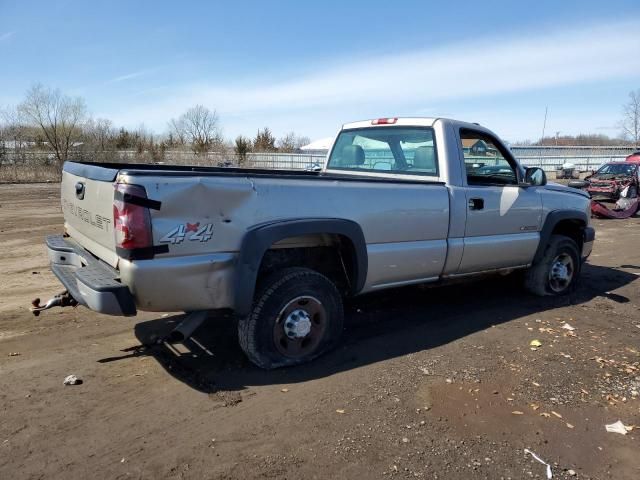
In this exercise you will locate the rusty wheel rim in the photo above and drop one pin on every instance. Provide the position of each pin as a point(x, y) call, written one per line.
point(300, 327)
point(561, 273)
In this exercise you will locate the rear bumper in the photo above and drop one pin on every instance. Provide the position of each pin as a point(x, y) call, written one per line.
point(587, 244)
point(90, 281)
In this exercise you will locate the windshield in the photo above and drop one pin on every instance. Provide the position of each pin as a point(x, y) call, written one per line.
point(616, 169)
point(405, 150)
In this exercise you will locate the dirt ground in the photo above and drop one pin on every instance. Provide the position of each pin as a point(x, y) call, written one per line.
point(428, 383)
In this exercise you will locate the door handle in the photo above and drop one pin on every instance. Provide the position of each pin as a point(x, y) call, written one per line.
point(476, 203)
point(80, 190)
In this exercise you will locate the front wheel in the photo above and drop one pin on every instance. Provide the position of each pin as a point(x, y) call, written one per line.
point(557, 271)
point(297, 315)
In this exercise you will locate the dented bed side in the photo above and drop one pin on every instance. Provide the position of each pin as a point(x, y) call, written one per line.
point(204, 219)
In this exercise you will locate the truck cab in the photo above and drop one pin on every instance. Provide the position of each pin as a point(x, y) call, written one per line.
point(496, 207)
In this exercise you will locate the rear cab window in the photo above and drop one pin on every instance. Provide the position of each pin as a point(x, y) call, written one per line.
point(394, 150)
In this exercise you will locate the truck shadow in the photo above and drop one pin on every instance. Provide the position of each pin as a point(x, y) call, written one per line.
point(377, 327)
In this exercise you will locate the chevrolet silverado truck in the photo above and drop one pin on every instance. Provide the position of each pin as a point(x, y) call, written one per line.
point(399, 201)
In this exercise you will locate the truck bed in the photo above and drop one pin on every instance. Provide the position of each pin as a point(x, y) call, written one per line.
point(404, 223)
point(109, 171)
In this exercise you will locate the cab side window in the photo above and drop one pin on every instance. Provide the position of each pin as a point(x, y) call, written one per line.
point(485, 162)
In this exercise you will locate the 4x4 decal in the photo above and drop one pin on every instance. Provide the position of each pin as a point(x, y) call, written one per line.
point(193, 232)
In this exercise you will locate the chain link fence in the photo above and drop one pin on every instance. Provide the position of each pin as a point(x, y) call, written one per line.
point(32, 166)
point(29, 166)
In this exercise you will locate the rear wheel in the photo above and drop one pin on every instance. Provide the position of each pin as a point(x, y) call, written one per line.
point(557, 271)
point(297, 315)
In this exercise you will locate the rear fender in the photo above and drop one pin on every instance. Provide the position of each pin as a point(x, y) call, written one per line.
point(259, 239)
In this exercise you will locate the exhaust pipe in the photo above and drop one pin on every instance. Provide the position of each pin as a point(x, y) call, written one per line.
point(186, 327)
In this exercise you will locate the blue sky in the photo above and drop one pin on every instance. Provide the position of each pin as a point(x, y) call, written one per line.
point(311, 66)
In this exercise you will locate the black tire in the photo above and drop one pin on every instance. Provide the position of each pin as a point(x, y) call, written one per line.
point(298, 295)
point(545, 277)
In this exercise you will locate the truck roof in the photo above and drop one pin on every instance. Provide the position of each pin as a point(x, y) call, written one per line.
point(404, 121)
point(411, 122)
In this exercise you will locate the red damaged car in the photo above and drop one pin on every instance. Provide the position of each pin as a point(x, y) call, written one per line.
point(615, 183)
point(609, 181)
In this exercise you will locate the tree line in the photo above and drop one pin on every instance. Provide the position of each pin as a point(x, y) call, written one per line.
point(591, 140)
point(49, 119)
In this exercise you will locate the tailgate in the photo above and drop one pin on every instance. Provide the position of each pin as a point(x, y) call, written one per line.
point(87, 204)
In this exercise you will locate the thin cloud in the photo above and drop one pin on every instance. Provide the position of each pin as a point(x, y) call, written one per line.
point(129, 76)
point(472, 69)
point(6, 35)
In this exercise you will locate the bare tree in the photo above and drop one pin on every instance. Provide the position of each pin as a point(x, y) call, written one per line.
point(58, 116)
point(287, 143)
point(292, 142)
point(13, 130)
point(199, 126)
point(143, 139)
point(4, 136)
point(5, 126)
point(302, 141)
point(100, 133)
point(176, 128)
point(630, 123)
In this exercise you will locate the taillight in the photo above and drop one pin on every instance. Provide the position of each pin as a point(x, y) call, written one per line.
point(132, 222)
point(384, 121)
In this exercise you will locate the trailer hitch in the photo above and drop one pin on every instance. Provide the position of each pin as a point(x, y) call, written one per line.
point(63, 299)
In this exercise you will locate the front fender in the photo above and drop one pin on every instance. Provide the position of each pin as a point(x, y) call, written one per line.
point(552, 220)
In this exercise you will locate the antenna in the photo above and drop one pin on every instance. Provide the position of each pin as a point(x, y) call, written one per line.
point(544, 125)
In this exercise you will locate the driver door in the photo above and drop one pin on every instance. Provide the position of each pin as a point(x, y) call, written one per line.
point(503, 219)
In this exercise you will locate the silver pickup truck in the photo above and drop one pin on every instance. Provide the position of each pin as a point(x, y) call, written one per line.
point(400, 201)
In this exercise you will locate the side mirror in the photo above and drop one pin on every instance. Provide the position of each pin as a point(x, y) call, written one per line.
point(535, 177)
